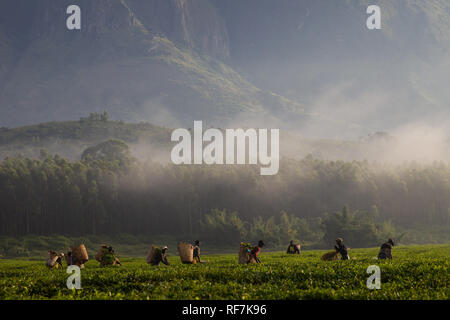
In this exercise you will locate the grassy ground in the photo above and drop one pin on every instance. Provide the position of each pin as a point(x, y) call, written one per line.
point(417, 272)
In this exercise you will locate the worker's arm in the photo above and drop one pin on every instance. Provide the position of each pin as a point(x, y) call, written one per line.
point(164, 260)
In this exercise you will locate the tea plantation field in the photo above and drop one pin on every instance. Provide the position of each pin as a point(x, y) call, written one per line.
point(416, 272)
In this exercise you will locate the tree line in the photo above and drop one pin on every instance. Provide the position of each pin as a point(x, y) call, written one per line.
point(108, 192)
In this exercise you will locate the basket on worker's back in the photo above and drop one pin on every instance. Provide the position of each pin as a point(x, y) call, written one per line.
point(105, 257)
point(80, 253)
point(244, 253)
point(186, 252)
point(101, 252)
point(151, 256)
point(52, 257)
point(79, 256)
point(330, 256)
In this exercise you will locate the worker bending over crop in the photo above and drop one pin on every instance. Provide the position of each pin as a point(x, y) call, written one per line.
point(54, 260)
point(386, 250)
point(107, 257)
point(256, 251)
point(342, 249)
point(160, 256)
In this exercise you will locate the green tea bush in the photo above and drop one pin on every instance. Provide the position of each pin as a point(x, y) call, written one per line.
point(416, 272)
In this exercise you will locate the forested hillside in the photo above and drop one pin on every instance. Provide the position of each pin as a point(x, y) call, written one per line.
point(69, 139)
point(149, 142)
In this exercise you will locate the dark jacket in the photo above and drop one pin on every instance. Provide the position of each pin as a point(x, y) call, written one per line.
point(197, 253)
point(385, 251)
point(342, 249)
point(160, 257)
point(293, 249)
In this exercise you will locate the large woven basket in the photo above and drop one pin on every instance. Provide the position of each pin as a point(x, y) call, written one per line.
point(186, 252)
point(152, 254)
point(51, 259)
point(80, 254)
point(244, 255)
point(330, 256)
point(101, 252)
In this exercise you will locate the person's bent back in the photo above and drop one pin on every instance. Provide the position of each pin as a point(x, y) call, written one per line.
point(160, 256)
point(342, 249)
point(386, 250)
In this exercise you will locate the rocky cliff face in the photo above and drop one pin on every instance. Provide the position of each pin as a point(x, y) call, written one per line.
point(154, 60)
point(193, 23)
point(179, 59)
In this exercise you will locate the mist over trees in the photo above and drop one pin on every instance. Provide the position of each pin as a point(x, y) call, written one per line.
point(310, 68)
point(309, 200)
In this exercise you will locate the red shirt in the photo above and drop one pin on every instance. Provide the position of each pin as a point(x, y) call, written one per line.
point(256, 250)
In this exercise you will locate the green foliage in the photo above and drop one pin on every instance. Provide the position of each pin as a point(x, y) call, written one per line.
point(70, 138)
point(94, 116)
point(356, 227)
point(277, 230)
point(53, 195)
point(220, 227)
point(416, 272)
point(32, 246)
point(110, 150)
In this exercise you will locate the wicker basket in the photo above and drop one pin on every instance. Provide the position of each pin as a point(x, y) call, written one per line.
point(152, 254)
point(244, 255)
point(186, 252)
point(52, 257)
point(101, 252)
point(79, 256)
point(330, 256)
